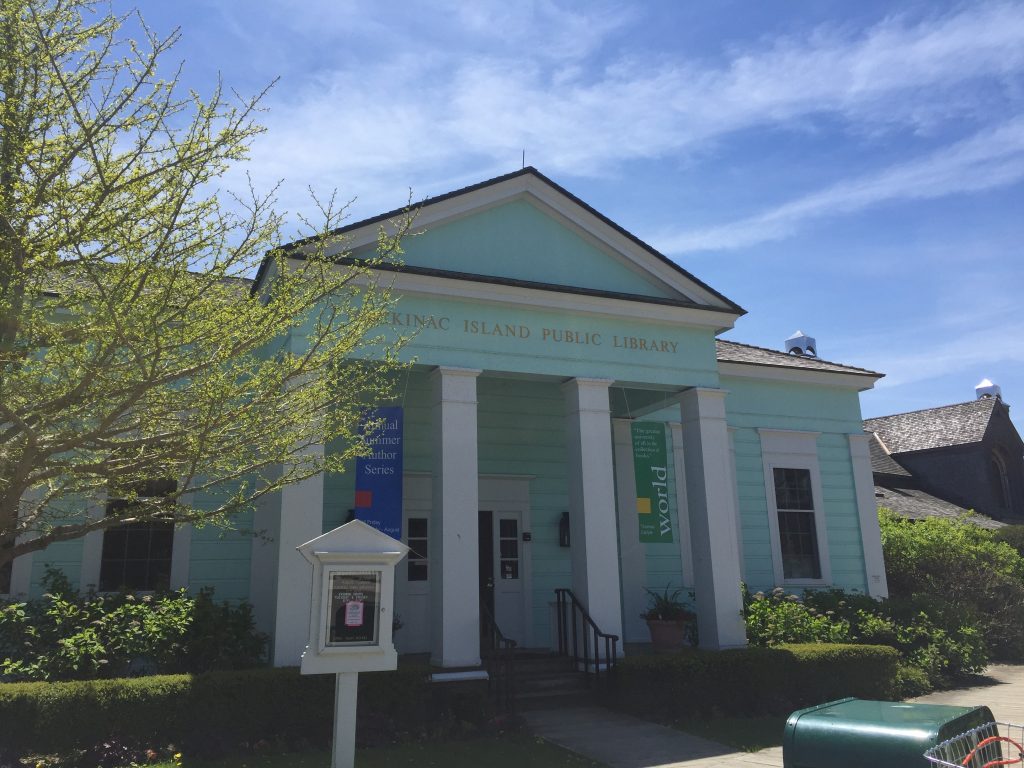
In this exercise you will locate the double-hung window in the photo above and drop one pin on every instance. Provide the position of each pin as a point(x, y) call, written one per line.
point(798, 535)
point(796, 517)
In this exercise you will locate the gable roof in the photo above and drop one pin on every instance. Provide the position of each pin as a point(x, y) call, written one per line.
point(734, 352)
point(881, 462)
point(693, 292)
point(942, 427)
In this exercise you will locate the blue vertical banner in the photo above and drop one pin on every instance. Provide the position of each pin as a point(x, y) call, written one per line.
point(379, 475)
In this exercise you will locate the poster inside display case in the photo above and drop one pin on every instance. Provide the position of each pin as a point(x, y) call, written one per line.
point(354, 608)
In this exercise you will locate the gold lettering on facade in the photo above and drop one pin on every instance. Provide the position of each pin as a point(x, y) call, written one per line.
point(548, 335)
point(487, 328)
point(412, 320)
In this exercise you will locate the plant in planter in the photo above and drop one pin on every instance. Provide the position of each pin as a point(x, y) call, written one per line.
point(667, 619)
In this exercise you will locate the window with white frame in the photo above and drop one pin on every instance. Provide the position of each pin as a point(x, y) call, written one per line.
point(798, 536)
point(137, 556)
point(796, 518)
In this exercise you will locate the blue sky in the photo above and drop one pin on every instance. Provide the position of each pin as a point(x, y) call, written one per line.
point(854, 170)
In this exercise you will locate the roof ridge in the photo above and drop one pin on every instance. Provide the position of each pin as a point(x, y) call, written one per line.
point(932, 408)
point(796, 357)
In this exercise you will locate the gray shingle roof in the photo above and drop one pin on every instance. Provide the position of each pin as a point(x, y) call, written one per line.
point(734, 352)
point(959, 424)
point(915, 504)
point(881, 462)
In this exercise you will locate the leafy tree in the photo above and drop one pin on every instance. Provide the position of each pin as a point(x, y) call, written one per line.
point(132, 349)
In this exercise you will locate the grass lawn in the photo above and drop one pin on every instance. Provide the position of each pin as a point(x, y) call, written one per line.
point(747, 734)
point(501, 752)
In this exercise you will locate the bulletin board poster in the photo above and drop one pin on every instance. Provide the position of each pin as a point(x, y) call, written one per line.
point(354, 609)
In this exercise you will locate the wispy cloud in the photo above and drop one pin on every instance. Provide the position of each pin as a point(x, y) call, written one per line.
point(382, 123)
point(990, 159)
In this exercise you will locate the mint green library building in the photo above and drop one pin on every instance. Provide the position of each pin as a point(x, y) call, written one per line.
point(570, 421)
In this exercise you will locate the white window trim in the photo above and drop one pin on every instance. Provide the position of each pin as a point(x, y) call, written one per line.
point(791, 449)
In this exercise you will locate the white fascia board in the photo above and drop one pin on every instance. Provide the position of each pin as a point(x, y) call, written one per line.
point(861, 383)
point(429, 285)
point(587, 224)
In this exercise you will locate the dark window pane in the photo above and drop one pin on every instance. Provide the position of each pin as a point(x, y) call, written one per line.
point(799, 541)
point(509, 548)
point(417, 570)
point(113, 542)
point(5, 577)
point(161, 541)
point(793, 489)
point(135, 572)
point(111, 575)
point(138, 542)
point(417, 549)
point(417, 528)
point(509, 529)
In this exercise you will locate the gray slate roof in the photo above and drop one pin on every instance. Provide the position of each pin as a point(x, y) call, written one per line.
point(916, 505)
point(881, 462)
point(959, 424)
point(734, 352)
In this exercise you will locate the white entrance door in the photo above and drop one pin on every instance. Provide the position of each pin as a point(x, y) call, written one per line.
point(508, 575)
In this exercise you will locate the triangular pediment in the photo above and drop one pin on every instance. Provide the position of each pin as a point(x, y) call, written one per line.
point(524, 230)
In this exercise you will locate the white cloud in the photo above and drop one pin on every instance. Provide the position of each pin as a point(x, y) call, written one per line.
point(383, 122)
point(990, 159)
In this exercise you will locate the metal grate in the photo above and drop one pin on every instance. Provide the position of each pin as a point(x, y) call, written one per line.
point(987, 746)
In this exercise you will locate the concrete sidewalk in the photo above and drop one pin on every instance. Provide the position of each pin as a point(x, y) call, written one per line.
point(621, 741)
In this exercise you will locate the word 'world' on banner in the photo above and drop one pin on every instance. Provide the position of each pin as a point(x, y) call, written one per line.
point(650, 468)
point(379, 475)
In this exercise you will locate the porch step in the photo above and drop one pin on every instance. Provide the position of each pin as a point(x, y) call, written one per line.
point(549, 682)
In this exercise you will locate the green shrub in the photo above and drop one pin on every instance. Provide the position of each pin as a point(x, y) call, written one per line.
point(1012, 535)
point(229, 712)
point(68, 636)
point(833, 616)
point(753, 681)
point(960, 575)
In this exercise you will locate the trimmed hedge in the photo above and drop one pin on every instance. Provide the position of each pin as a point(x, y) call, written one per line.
point(754, 681)
point(228, 711)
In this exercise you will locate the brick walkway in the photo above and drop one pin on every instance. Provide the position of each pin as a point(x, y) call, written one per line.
point(621, 741)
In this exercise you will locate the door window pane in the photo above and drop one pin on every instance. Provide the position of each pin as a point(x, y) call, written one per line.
point(416, 560)
point(508, 548)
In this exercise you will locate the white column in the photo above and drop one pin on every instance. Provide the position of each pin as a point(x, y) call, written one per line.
point(346, 689)
point(867, 511)
point(594, 545)
point(454, 556)
point(302, 519)
point(92, 548)
point(716, 568)
point(632, 558)
point(682, 505)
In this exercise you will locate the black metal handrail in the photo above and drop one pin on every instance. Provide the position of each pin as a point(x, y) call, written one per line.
point(587, 641)
point(499, 658)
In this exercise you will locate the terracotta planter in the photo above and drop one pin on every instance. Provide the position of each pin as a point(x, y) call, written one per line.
point(666, 635)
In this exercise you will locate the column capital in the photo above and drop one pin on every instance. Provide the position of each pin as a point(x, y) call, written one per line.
point(585, 381)
point(448, 370)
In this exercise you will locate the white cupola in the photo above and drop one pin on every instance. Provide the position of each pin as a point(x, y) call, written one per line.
point(802, 344)
point(986, 389)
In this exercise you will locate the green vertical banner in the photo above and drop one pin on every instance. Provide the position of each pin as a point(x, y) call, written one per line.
point(650, 468)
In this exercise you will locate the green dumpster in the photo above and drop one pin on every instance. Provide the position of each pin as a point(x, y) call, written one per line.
point(851, 733)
